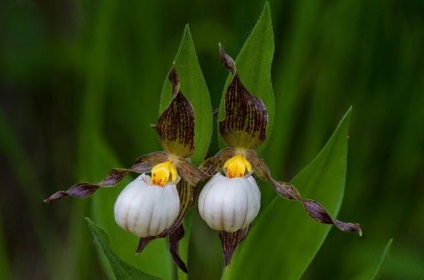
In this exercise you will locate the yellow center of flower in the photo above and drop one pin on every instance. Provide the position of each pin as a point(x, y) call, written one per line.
point(237, 166)
point(164, 173)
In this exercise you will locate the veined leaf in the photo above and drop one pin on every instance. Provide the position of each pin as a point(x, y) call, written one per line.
point(283, 233)
point(193, 87)
point(253, 65)
point(120, 268)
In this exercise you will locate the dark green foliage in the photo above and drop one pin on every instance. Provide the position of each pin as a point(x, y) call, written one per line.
point(81, 82)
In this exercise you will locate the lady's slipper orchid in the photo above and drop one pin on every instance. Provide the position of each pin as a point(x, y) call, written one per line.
point(229, 203)
point(153, 206)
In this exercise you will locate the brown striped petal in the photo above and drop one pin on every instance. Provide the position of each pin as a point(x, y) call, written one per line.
point(286, 190)
point(214, 164)
point(190, 173)
point(246, 117)
point(230, 241)
point(175, 126)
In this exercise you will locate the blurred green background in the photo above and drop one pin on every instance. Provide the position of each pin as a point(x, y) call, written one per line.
point(54, 55)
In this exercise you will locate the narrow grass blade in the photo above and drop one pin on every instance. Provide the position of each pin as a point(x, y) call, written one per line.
point(382, 259)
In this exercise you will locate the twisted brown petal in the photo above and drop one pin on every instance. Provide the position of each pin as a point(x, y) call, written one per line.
point(230, 241)
point(82, 190)
point(213, 164)
point(246, 117)
point(145, 163)
point(186, 193)
point(190, 173)
point(259, 166)
point(286, 190)
point(175, 126)
point(316, 211)
point(174, 239)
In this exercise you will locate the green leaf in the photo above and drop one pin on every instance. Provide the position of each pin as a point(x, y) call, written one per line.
point(120, 268)
point(283, 233)
point(253, 65)
point(193, 86)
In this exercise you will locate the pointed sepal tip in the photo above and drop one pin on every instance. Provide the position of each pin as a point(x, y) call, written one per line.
point(227, 60)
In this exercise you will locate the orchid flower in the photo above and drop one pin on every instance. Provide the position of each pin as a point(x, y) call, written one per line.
point(154, 206)
point(230, 200)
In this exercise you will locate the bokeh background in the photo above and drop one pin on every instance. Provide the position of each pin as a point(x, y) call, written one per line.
point(329, 55)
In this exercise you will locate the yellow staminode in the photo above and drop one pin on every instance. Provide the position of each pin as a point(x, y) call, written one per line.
point(237, 166)
point(164, 173)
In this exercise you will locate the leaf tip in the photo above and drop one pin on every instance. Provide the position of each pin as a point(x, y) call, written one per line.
point(187, 32)
point(266, 12)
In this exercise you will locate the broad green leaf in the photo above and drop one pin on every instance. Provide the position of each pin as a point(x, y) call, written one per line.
point(120, 268)
point(283, 233)
point(253, 65)
point(193, 87)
